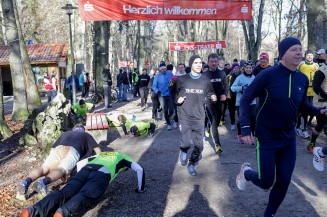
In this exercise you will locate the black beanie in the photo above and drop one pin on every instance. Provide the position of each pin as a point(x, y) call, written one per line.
point(309, 52)
point(192, 58)
point(285, 44)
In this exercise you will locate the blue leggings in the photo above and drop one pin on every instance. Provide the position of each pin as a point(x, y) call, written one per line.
point(274, 158)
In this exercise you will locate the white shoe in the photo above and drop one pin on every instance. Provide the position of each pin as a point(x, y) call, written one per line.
point(240, 179)
point(318, 161)
point(168, 127)
point(305, 134)
point(183, 158)
point(299, 131)
point(174, 124)
point(233, 127)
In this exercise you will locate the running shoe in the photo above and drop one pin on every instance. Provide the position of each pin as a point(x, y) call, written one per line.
point(191, 170)
point(305, 134)
point(318, 161)
point(207, 132)
point(28, 212)
point(174, 124)
point(240, 139)
point(240, 179)
point(233, 127)
point(299, 131)
point(311, 146)
point(183, 158)
point(40, 188)
point(168, 127)
point(22, 191)
point(218, 149)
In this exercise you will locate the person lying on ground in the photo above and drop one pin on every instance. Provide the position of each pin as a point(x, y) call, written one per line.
point(68, 149)
point(88, 185)
point(137, 128)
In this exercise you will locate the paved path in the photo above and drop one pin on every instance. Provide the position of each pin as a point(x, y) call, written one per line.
point(171, 191)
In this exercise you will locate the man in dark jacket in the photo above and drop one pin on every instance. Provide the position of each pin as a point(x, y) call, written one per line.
point(282, 92)
point(120, 83)
point(106, 84)
point(217, 76)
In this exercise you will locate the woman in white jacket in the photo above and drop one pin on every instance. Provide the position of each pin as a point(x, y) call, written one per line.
point(239, 86)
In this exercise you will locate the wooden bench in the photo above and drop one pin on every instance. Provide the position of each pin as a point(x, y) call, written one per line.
point(96, 121)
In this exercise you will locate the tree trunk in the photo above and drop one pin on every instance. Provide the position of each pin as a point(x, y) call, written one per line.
point(101, 35)
point(316, 24)
point(253, 38)
point(138, 42)
point(5, 131)
point(20, 111)
point(33, 97)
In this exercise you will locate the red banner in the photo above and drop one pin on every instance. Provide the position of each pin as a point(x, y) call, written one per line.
point(97, 10)
point(189, 46)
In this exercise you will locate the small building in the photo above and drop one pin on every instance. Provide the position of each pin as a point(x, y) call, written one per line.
point(44, 58)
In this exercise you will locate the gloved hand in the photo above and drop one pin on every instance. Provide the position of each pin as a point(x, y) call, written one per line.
point(139, 191)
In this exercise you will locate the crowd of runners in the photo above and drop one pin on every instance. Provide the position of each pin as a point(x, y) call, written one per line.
point(268, 107)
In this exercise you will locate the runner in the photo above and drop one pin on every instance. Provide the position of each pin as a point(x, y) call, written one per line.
point(88, 185)
point(319, 99)
point(240, 85)
point(308, 67)
point(172, 89)
point(161, 87)
point(217, 76)
point(192, 91)
point(282, 92)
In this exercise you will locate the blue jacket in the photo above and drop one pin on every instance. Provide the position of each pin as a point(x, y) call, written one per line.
point(161, 83)
point(282, 93)
point(240, 85)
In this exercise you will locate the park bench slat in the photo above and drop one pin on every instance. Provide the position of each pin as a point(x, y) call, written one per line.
point(96, 121)
point(88, 125)
point(99, 122)
point(104, 121)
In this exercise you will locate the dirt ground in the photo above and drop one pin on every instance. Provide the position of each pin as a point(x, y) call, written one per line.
point(170, 190)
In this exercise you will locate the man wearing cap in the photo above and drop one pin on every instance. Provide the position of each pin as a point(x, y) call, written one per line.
point(192, 92)
point(161, 87)
point(217, 76)
point(282, 92)
point(64, 154)
point(263, 63)
point(319, 98)
point(321, 56)
point(307, 67)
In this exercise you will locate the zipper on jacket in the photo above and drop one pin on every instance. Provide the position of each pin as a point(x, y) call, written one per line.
point(290, 86)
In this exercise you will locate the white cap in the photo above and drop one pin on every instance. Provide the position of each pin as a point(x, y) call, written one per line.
point(321, 51)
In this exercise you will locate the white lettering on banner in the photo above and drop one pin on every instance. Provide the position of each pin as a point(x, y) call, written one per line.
point(198, 47)
point(194, 91)
point(147, 10)
point(175, 10)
